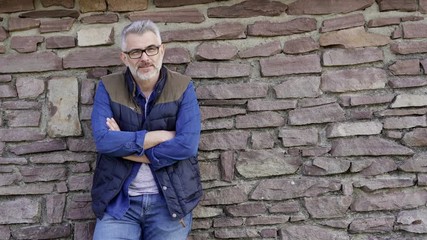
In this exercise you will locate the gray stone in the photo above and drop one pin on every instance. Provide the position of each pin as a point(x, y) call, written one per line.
point(416, 138)
point(43, 174)
point(298, 87)
point(299, 137)
point(373, 166)
point(23, 118)
point(228, 195)
point(289, 188)
point(319, 114)
point(42, 232)
point(19, 210)
point(353, 129)
point(246, 209)
point(390, 200)
point(227, 163)
point(224, 140)
point(264, 163)
point(21, 134)
point(372, 225)
point(304, 232)
point(414, 221)
point(260, 120)
point(368, 146)
point(409, 100)
point(405, 122)
point(95, 36)
point(55, 205)
point(415, 164)
point(28, 189)
point(328, 207)
point(321, 166)
point(370, 185)
point(63, 107)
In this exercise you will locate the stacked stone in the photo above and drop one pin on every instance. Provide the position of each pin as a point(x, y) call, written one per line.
point(314, 113)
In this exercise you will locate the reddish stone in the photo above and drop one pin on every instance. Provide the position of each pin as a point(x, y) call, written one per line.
point(9, 6)
point(63, 3)
point(92, 57)
point(398, 5)
point(343, 22)
point(232, 91)
point(51, 14)
point(2, 49)
point(353, 38)
point(126, 5)
point(407, 82)
point(217, 70)
point(249, 8)
point(100, 18)
point(323, 7)
point(423, 6)
point(178, 3)
point(408, 47)
point(92, 5)
point(295, 26)
point(351, 56)
point(192, 15)
point(262, 50)
point(56, 25)
point(25, 44)
point(277, 66)
point(300, 45)
point(33, 62)
point(215, 51)
point(414, 30)
point(412, 18)
point(17, 24)
point(60, 42)
point(380, 22)
point(405, 67)
point(218, 31)
point(3, 34)
point(176, 56)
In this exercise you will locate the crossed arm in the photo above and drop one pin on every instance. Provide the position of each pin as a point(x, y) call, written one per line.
point(152, 139)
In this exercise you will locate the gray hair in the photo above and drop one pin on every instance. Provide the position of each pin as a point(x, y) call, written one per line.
point(139, 27)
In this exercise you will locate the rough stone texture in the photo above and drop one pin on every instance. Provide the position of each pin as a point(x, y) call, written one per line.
point(25, 44)
point(307, 106)
point(334, 24)
point(216, 32)
point(300, 45)
point(301, 7)
point(321, 114)
point(370, 146)
point(63, 108)
point(18, 24)
point(249, 8)
point(353, 38)
point(217, 70)
point(277, 66)
point(267, 28)
point(311, 232)
point(263, 163)
point(40, 61)
point(93, 36)
point(353, 80)
point(179, 16)
point(352, 56)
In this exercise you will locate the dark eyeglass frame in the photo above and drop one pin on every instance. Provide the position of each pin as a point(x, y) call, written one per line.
point(137, 53)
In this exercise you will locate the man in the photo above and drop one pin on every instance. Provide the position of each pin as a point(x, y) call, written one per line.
point(146, 125)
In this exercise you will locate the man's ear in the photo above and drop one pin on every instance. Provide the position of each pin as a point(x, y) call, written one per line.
point(124, 58)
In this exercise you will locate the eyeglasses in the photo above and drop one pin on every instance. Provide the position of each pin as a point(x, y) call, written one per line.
point(137, 53)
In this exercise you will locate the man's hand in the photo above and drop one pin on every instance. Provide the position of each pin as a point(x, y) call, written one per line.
point(112, 124)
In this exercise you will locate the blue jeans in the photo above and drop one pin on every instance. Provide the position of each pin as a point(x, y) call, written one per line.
point(148, 218)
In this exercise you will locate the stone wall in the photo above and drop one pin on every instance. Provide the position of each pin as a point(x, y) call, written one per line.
point(314, 113)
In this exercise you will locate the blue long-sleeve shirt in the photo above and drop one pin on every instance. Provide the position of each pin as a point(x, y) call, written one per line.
point(125, 143)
